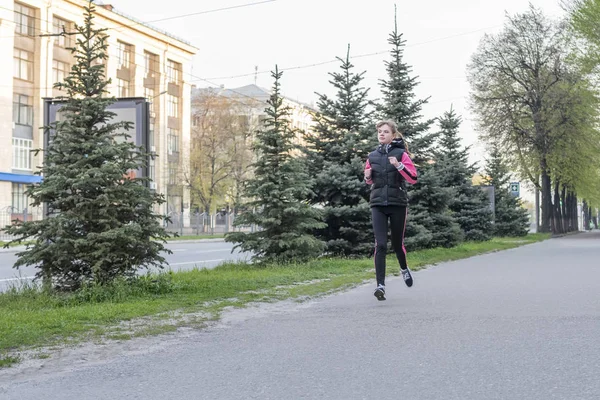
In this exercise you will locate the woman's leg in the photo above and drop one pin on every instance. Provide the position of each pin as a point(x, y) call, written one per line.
point(380, 228)
point(398, 228)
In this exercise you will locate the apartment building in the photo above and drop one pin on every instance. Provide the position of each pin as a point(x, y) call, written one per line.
point(143, 61)
point(253, 99)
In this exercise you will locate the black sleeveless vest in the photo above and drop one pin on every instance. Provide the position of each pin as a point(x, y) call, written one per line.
point(389, 187)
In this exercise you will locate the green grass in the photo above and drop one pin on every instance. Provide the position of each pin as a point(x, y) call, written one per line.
point(7, 361)
point(158, 304)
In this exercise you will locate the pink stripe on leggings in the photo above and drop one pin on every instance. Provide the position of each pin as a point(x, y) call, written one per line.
point(404, 231)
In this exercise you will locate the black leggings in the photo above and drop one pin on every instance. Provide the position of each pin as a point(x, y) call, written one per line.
point(397, 217)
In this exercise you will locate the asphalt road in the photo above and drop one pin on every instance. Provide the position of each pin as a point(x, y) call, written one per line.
point(186, 255)
point(520, 324)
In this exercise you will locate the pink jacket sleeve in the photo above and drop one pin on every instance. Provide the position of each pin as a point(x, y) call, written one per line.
point(409, 172)
point(370, 180)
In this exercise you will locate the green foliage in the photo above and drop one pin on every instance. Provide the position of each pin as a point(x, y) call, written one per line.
point(469, 205)
point(541, 109)
point(510, 218)
point(430, 223)
point(100, 224)
point(399, 102)
point(575, 161)
point(278, 191)
point(583, 18)
point(335, 154)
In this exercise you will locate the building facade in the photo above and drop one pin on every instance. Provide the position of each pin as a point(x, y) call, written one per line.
point(142, 62)
point(254, 99)
point(237, 114)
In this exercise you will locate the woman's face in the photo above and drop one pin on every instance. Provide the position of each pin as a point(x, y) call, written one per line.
point(385, 134)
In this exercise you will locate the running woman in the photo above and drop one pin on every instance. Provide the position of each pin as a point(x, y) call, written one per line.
point(387, 170)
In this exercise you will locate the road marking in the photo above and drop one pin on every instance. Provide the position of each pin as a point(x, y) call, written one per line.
point(201, 251)
point(196, 262)
point(170, 265)
point(212, 251)
point(17, 279)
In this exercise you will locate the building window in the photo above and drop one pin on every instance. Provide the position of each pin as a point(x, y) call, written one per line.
point(173, 106)
point(23, 65)
point(22, 154)
point(173, 71)
point(149, 94)
point(124, 52)
point(24, 20)
point(59, 26)
point(122, 88)
point(150, 64)
point(60, 70)
point(172, 141)
point(22, 109)
point(172, 178)
point(19, 199)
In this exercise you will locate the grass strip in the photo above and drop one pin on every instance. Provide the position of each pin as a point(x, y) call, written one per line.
point(154, 304)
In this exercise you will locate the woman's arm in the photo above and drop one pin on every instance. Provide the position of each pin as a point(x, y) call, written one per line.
point(368, 177)
point(407, 169)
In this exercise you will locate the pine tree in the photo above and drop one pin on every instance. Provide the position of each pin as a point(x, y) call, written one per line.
point(335, 155)
point(469, 204)
point(430, 223)
point(278, 192)
point(100, 223)
point(510, 218)
point(399, 102)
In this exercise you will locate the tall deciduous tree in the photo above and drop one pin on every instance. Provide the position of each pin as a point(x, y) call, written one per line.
point(220, 150)
point(511, 75)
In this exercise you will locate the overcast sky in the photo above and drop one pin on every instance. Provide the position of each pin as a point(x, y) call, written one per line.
point(440, 36)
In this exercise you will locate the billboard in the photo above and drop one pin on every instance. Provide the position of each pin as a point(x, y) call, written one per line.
point(132, 109)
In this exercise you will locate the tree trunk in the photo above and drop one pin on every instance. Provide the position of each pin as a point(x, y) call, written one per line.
point(557, 220)
point(563, 206)
point(572, 214)
point(586, 222)
point(537, 207)
point(547, 211)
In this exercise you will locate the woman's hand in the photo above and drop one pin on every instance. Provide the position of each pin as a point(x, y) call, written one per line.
point(394, 161)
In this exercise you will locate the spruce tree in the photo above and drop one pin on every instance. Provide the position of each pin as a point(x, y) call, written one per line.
point(336, 152)
point(469, 204)
point(510, 218)
point(430, 222)
point(278, 191)
point(100, 222)
point(399, 104)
